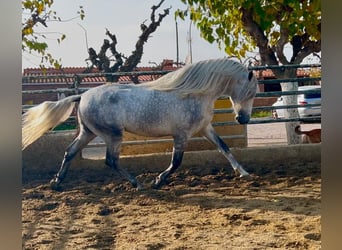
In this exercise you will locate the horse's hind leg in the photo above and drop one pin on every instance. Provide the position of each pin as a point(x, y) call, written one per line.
point(177, 157)
point(112, 160)
point(84, 137)
point(211, 135)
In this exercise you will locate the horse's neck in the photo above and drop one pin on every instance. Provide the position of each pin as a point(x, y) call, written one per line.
point(221, 92)
point(211, 97)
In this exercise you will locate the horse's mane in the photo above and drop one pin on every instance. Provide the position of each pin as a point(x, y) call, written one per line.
point(198, 78)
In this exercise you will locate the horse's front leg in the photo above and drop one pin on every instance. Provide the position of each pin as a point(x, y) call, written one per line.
point(177, 156)
point(211, 135)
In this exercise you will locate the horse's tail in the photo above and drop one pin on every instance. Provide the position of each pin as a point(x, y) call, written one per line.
point(45, 116)
point(298, 130)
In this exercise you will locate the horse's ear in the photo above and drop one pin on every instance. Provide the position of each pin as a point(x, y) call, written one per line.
point(250, 75)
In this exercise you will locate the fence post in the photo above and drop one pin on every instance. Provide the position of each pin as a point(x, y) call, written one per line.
point(292, 137)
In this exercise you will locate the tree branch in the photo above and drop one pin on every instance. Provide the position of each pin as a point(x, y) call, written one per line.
point(136, 55)
point(309, 48)
point(92, 57)
point(266, 53)
point(102, 62)
point(29, 24)
point(154, 8)
point(279, 48)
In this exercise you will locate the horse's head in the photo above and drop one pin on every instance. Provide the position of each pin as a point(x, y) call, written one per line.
point(242, 96)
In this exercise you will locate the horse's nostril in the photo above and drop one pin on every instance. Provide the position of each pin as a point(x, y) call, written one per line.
point(242, 119)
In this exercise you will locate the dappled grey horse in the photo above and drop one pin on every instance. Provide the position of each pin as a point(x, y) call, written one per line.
point(177, 104)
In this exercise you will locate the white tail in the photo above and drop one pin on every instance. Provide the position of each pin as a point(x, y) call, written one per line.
point(45, 116)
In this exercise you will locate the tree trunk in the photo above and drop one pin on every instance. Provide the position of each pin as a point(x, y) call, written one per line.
point(292, 137)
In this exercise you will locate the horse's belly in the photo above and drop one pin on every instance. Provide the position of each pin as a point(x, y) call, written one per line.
point(149, 129)
point(166, 124)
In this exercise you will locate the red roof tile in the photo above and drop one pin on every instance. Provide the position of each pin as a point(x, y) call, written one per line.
point(67, 74)
point(269, 74)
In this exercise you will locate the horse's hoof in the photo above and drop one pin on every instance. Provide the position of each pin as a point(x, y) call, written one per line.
point(245, 176)
point(156, 184)
point(241, 173)
point(55, 185)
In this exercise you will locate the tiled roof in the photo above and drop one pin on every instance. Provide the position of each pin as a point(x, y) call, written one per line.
point(68, 74)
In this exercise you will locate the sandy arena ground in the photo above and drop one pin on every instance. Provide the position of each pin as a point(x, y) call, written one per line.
point(279, 208)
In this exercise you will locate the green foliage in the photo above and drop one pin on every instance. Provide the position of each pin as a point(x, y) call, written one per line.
point(279, 21)
point(261, 114)
point(65, 126)
point(39, 13)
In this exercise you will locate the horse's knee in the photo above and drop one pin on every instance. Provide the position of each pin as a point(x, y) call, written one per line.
point(69, 155)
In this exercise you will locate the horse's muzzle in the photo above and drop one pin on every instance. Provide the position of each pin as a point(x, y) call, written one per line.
point(242, 117)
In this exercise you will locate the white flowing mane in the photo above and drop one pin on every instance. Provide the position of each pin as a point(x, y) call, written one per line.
point(198, 78)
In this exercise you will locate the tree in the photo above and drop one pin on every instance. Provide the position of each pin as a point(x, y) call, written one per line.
point(269, 26)
point(37, 13)
point(121, 63)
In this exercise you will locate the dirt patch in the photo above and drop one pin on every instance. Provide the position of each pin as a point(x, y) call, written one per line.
point(278, 208)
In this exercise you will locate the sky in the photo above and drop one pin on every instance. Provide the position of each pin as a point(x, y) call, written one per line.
point(122, 18)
